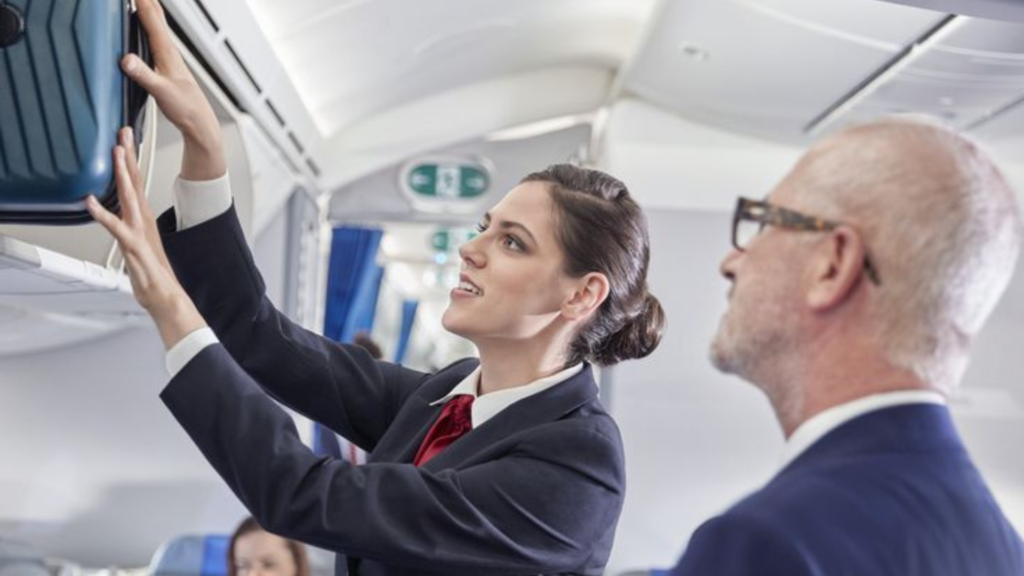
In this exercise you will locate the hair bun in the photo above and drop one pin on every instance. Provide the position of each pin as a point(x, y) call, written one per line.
point(637, 338)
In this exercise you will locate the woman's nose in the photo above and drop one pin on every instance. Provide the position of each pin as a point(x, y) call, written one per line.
point(471, 253)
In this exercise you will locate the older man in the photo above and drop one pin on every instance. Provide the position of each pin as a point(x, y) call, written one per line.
point(857, 289)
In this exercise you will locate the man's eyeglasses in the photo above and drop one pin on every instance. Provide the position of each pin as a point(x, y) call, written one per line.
point(752, 216)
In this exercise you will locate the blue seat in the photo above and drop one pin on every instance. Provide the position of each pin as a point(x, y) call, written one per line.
point(192, 555)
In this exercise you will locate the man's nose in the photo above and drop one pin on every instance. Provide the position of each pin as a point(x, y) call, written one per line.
point(727, 268)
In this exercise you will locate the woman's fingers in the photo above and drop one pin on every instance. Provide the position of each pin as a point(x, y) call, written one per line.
point(108, 220)
point(146, 217)
point(126, 193)
point(151, 14)
point(145, 76)
point(128, 141)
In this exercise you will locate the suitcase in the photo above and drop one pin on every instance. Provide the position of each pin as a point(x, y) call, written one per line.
point(62, 100)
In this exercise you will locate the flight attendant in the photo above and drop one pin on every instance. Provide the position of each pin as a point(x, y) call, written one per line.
point(506, 464)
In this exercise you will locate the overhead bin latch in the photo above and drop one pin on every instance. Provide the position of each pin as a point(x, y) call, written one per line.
point(12, 25)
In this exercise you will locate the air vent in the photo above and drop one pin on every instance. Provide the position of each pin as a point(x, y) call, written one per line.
point(206, 14)
point(276, 114)
point(296, 143)
point(312, 166)
point(248, 74)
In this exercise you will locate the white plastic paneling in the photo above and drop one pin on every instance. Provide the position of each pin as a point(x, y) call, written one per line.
point(377, 197)
point(272, 180)
point(973, 71)
point(669, 162)
point(767, 68)
point(352, 59)
point(464, 114)
point(235, 47)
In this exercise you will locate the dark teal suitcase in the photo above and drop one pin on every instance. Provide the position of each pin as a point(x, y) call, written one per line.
point(62, 100)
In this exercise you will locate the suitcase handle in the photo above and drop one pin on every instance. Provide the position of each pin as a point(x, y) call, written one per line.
point(138, 44)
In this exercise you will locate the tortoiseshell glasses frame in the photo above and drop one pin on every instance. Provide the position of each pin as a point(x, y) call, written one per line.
point(761, 213)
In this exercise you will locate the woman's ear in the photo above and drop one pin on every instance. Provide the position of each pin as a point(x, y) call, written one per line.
point(589, 292)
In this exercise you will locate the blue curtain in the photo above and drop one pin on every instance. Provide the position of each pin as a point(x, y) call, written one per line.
point(353, 281)
point(408, 318)
point(364, 308)
point(325, 441)
point(353, 284)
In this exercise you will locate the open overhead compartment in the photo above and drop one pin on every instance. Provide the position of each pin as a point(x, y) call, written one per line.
point(65, 284)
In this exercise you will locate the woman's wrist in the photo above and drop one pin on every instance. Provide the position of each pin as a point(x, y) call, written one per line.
point(203, 158)
point(176, 317)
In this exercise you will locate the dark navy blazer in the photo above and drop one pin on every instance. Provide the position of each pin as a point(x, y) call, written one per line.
point(535, 490)
point(889, 493)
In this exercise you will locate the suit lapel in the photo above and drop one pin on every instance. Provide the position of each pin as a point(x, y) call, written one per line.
point(410, 426)
point(547, 406)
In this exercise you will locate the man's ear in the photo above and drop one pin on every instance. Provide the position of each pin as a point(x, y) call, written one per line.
point(837, 267)
point(589, 292)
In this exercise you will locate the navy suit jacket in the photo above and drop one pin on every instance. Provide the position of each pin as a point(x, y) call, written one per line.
point(535, 490)
point(889, 493)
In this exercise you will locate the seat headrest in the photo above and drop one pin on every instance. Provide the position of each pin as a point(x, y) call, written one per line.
point(17, 559)
point(192, 556)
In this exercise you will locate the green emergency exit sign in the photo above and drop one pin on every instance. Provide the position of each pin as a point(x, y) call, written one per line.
point(448, 181)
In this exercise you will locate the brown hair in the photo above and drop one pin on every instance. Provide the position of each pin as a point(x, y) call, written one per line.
point(602, 229)
point(248, 526)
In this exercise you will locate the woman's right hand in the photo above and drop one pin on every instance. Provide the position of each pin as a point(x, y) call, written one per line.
point(178, 95)
point(154, 284)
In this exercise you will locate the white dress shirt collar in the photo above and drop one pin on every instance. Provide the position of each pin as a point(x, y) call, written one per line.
point(821, 424)
point(489, 405)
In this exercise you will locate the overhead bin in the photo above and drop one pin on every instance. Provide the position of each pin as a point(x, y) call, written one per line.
point(64, 284)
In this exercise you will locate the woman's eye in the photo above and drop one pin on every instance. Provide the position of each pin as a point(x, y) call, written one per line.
point(513, 243)
point(481, 227)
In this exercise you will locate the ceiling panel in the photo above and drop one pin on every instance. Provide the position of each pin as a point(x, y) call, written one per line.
point(767, 67)
point(1007, 126)
point(960, 101)
point(355, 58)
point(378, 197)
point(986, 36)
point(974, 70)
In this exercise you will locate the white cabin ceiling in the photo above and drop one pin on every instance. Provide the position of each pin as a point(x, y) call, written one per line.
point(789, 69)
point(350, 75)
point(352, 59)
point(768, 67)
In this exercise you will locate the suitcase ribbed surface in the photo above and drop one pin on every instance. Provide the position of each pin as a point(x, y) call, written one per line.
point(60, 100)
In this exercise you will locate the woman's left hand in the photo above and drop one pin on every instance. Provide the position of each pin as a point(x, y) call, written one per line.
point(153, 281)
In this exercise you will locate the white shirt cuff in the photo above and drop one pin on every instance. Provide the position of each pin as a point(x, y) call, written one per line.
point(198, 202)
point(183, 352)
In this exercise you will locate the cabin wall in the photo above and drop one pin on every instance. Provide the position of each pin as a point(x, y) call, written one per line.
point(94, 468)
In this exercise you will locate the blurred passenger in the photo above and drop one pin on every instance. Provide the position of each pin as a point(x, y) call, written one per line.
point(252, 551)
point(364, 341)
point(858, 287)
point(506, 464)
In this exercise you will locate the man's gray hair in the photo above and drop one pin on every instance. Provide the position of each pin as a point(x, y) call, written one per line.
point(941, 225)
